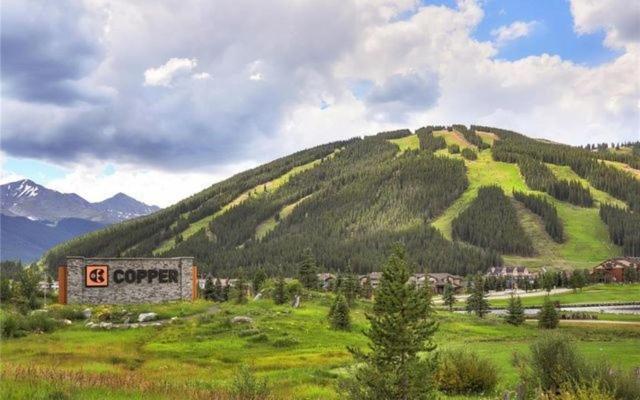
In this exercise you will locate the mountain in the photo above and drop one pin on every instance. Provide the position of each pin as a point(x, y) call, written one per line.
point(446, 193)
point(26, 240)
point(35, 218)
point(121, 207)
point(26, 198)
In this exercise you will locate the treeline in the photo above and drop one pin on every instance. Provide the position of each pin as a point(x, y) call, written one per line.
point(429, 142)
point(633, 159)
point(469, 154)
point(539, 177)
point(363, 200)
point(397, 134)
point(491, 222)
point(617, 183)
point(471, 136)
point(140, 236)
point(624, 228)
point(539, 205)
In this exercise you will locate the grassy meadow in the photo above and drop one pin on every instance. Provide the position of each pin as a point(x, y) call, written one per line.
point(198, 355)
point(587, 241)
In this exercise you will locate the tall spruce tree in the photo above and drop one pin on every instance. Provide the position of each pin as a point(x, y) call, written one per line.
point(366, 290)
point(548, 316)
point(402, 326)
point(339, 314)
point(350, 289)
point(218, 294)
point(477, 302)
point(208, 292)
point(515, 311)
point(307, 270)
point(280, 291)
point(258, 279)
point(448, 296)
point(240, 293)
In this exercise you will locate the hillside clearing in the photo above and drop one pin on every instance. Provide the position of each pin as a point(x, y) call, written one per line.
point(269, 186)
point(270, 224)
point(587, 239)
point(410, 142)
point(454, 137)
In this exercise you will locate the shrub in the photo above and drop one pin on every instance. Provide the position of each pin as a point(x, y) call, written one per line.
point(40, 322)
point(12, 325)
point(464, 372)
point(246, 386)
point(555, 363)
point(454, 149)
point(285, 342)
point(70, 312)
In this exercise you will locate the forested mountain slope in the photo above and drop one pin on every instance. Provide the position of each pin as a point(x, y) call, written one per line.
point(349, 201)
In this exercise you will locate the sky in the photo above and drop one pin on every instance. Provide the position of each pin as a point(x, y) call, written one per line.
point(161, 99)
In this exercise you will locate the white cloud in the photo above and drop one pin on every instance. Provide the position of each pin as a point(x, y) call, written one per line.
point(620, 19)
point(422, 65)
point(201, 76)
point(164, 74)
point(515, 30)
point(147, 185)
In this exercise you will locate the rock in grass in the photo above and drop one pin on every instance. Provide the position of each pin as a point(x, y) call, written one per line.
point(241, 319)
point(86, 313)
point(66, 322)
point(144, 317)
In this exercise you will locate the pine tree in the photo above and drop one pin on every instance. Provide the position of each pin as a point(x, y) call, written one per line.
point(515, 311)
point(225, 292)
point(208, 293)
point(258, 279)
point(401, 327)
point(577, 280)
point(476, 302)
point(350, 289)
point(218, 294)
point(339, 314)
point(548, 317)
point(366, 291)
point(548, 281)
point(448, 296)
point(307, 270)
point(240, 291)
point(280, 291)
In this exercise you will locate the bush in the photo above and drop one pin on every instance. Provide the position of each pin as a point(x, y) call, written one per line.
point(555, 363)
point(12, 325)
point(246, 386)
point(40, 322)
point(464, 372)
point(285, 342)
point(454, 149)
point(60, 311)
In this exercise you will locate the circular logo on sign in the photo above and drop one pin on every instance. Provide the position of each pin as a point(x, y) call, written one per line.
point(97, 275)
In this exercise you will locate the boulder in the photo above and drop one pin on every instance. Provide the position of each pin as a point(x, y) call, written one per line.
point(144, 317)
point(104, 325)
point(241, 319)
point(66, 322)
point(86, 313)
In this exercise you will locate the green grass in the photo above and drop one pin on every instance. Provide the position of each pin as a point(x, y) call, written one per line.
point(269, 186)
point(201, 354)
point(410, 142)
point(602, 293)
point(587, 239)
point(624, 167)
point(270, 224)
